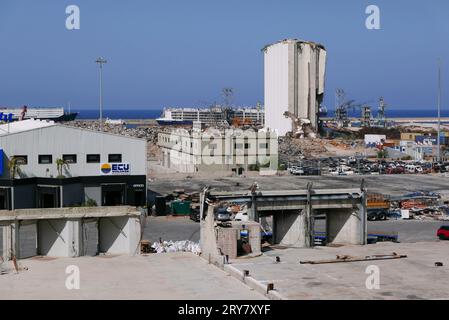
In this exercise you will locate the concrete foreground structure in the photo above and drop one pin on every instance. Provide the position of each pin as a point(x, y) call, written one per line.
point(170, 276)
point(70, 232)
point(413, 278)
point(293, 213)
point(395, 185)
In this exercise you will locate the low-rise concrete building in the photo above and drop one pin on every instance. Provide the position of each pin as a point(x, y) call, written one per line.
point(219, 150)
point(51, 165)
point(69, 232)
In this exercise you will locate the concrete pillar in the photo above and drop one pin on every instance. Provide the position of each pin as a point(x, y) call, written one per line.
point(227, 241)
point(10, 240)
point(208, 239)
point(344, 226)
point(14, 242)
point(3, 248)
point(254, 238)
point(290, 229)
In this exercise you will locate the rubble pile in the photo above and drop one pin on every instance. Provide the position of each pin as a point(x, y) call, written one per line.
point(291, 149)
point(177, 246)
point(423, 206)
point(149, 132)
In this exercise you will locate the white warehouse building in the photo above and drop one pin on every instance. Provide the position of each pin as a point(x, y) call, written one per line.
point(294, 73)
point(52, 165)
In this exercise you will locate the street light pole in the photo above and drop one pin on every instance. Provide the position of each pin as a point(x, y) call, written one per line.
point(101, 61)
point(439, 112)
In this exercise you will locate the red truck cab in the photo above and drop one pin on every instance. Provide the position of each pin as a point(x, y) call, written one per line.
point(443, 233)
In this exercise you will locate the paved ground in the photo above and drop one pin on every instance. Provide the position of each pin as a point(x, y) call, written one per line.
point(182, 228)
point(171, 228)
point(173, 276)
point(415, 277)
point(387, 184)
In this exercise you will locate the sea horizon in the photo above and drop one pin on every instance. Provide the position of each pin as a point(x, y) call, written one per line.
point(116, 113)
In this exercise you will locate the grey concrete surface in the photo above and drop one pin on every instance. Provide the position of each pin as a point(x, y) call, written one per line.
point(181, 228)
point(173, 276)
point(386, 184)
point(171, 228)
point(415, 277)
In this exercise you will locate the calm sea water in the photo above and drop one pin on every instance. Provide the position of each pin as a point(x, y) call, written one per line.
point(118, 113)
point(153, 114)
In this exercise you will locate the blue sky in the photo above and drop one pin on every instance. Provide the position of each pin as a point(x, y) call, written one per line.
point(182, 53)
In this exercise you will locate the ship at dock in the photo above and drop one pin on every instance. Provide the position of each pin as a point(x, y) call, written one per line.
point(216, 115)
point(46, 113)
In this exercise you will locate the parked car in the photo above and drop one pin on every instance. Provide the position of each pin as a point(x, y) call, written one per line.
point(443, 233)
point(297, 171)
point(222, 215)
point(195, 215)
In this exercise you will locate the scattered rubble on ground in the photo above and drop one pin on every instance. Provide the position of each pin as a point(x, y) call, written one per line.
point(177, 246)
point(145, 132)
point(422, 206)
point(294, 149)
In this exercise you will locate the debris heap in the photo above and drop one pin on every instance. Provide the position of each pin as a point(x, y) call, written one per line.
point(177, 246)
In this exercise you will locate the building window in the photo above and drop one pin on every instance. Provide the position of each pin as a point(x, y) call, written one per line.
point(45, 158)
point(93, 158)
point(263, 145)
point(247, 145)
point(21, 159)
point(115, 158)
point(69, 158)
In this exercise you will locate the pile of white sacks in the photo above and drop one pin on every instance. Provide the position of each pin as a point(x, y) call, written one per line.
point(177, 246)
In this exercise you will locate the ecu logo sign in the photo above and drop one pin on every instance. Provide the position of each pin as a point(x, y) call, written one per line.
point(114, 168)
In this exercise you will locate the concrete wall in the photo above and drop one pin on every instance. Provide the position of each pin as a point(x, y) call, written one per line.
point(70, 232)
point(343, 226)
point(58, 237)
point(289, 228)
point(1, 240)
point(58, 140)
point(119, 235)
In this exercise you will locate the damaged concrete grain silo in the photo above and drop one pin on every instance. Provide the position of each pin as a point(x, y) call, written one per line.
point(294, 85)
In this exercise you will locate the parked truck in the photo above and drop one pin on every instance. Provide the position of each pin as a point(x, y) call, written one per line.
point(378, 207)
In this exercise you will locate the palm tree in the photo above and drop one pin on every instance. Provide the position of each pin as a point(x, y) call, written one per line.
point(14, 167)
point(60, 165)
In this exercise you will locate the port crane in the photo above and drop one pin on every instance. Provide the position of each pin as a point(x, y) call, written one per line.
point(343, 107)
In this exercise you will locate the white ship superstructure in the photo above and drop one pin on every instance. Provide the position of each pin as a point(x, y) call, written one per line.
point(211, 116)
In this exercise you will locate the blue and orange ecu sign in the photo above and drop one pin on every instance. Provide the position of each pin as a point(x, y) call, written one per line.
point(106, 168)
point(115, 168)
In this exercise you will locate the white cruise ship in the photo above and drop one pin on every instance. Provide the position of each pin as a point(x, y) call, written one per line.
point(54, 114)
point(210, 116)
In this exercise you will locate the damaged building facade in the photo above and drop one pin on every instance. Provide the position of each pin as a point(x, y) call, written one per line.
point(294, 74)
point(211, 150)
